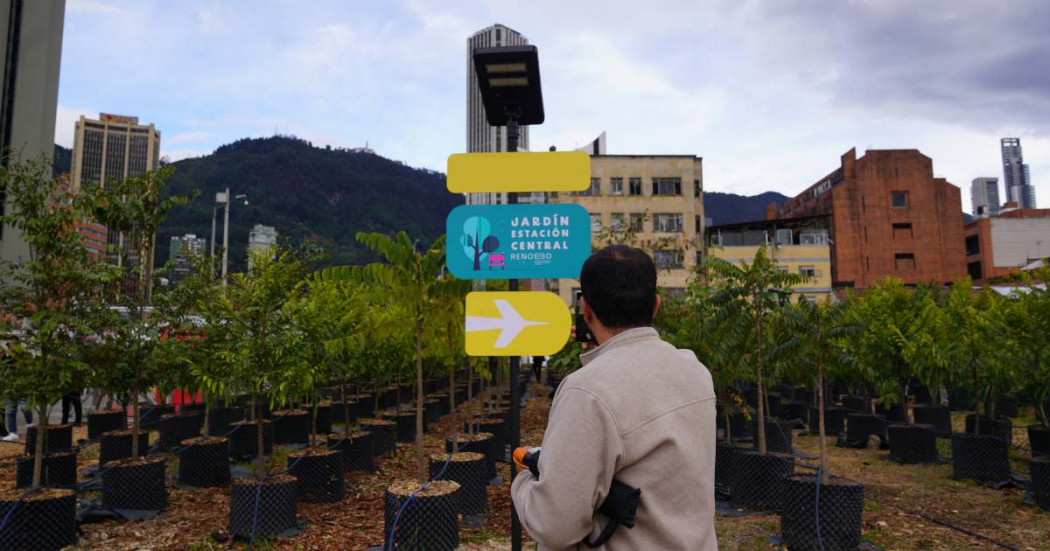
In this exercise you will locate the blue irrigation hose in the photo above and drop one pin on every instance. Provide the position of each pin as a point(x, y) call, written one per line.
point(14, 506)
point(255, 515)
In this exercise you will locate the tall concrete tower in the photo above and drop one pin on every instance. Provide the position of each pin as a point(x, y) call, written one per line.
point(481, 137)
point(1016, 178)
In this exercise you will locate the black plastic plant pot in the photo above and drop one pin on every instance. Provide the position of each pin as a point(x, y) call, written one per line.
point(497, 428)
point(1000, 428)
point(940, 417)
point(444, 403)
point(959, 400)
point(724, 467)
point(406, 426)
point(150, 414)
point(427, 522)
point(469, 470)
point(276, 511)
point(913, 443)
point(244, 439)
point(116, 446)
point(176, 427)
point(101, 422)
point(860, 426)
point(385, 435)
point(921, 394)
point(41, 521)
point(794, 410)
point(980, 457)
point(221, 419)
point(388, 399)
point(834, 420)
point(896, 413)
point(461, 394)
point(758, 480)
point(740, 425)
point(135, 485)
point(802, 395)
point(291, 427)
point(205, 462)
point(432, 412)
point(59, 439)
point(778, 436)
point(482, 443)
point(356, 450)
point(319, 472)
point(1039, 467)
point(857, 404)
point(338, 412)
point(366, 406)
point(1006, 407)
point(56, 470)
point(840, 508)
point(1039, 439)
point(190, 408)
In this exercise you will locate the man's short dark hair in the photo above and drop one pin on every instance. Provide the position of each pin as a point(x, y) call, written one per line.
point(619, 284)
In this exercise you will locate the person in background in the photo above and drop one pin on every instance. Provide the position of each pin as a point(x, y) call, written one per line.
point(537, 367)
point(72, 398)
point(12, 406)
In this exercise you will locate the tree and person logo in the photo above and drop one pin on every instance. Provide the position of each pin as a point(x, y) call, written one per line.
point(480, 245)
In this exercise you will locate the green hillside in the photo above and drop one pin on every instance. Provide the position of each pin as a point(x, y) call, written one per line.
point(307, 192)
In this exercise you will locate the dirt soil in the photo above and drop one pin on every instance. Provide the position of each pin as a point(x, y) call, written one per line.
point(894, 494)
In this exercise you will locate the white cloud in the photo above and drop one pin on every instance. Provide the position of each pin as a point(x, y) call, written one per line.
point(65, 123)
point(92, 6)
point(187, 137)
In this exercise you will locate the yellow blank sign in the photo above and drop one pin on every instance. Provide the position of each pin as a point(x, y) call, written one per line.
point(516, 324)
point(519, 171)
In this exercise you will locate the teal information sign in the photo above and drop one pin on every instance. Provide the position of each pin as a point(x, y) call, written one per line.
point(534, 241)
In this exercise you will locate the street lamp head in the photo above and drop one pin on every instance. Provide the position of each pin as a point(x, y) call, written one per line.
point(509, 82)
point(242, 196)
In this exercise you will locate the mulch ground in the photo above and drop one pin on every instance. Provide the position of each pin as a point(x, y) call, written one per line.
point(895, 493)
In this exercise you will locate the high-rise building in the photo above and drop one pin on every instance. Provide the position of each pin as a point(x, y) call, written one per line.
point(181, 253)
point(112, 149)
point(260, 240)
point(984, 195)
point(481, 137)
point(30, 56)
point(1016, 178)
point(654, 202)
point(890, 217)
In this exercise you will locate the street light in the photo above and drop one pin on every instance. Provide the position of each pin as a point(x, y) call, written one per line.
point(509, 82)
point(224, 199)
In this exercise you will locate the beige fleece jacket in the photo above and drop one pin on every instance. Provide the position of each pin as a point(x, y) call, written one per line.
point(640, 411)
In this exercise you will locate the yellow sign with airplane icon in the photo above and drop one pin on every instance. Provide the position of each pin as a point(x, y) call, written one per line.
point(532, 323)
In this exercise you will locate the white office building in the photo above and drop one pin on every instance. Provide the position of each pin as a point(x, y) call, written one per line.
point(261, 239)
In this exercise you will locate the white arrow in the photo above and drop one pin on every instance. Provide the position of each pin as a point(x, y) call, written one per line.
point(510, 322)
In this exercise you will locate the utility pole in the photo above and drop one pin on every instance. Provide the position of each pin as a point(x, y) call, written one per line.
point(226, 237)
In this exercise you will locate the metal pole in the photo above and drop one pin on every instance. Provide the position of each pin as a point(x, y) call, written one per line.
point(515, 368)
point(211, 254)
point(226, 237)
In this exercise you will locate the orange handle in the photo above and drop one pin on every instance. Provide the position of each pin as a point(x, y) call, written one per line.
point(519, 458)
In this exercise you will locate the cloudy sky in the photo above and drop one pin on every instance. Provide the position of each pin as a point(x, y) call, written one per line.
point(769, 93)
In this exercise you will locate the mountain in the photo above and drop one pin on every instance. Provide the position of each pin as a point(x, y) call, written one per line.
point(62, 160)
point(730, 208)
point(305, 192)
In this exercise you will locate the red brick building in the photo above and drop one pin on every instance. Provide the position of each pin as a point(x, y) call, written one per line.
point(889, 217)
point(1001, 244)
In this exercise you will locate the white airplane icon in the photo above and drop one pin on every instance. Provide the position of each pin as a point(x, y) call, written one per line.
point(510, 322)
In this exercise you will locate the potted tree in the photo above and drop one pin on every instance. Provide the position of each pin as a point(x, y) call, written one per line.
point(819, 329)
point(266, 347)
point(412, 279)
point(1029, 350)
point(745, 296)
point(50, 300)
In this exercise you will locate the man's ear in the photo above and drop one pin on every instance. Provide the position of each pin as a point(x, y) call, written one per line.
point(588, 314)
point(656, 306)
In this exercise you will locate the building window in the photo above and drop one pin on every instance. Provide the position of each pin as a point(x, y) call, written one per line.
point(596, 223)
point(637, 222)
point(617, 186)
point(973, 245)
point(667, 260)
point(699, 225)
point(664, 187)
point(635, 189)
point(617, 221)
point(596, 187)
point(782, 269)
point(902, 230)
point(904, 261)
point(807, 271)
point(667, 223)
point(974, 269)
point(784, 237)
point(899, 199)
point(813, 237)
point(699, 257)
point(696, 189)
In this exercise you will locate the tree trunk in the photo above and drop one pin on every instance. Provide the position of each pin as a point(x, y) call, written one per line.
point(470, 396)
point(135, 424)
point(207, 412)
point(346, 410)
point(452, 406)
point(41, 435)
point(313, 422)
point(260, 448)
point(820, 422)
point(761, 387)
point(421, 460)
point(729, 429)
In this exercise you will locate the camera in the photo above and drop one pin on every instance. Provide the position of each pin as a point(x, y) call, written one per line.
point(583, 333)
